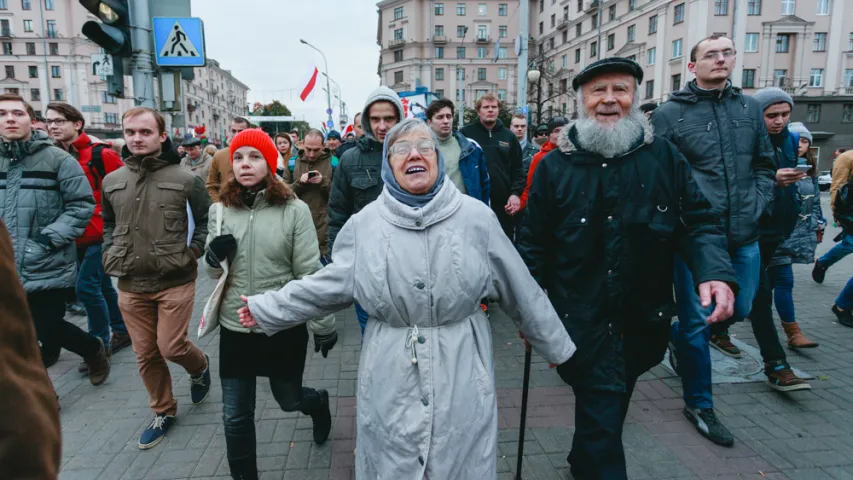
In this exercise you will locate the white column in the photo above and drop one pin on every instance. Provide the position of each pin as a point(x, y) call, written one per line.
point(767, 58)
point(803, 45)
point(739, 40)
point(836, 36)
point(660, 53)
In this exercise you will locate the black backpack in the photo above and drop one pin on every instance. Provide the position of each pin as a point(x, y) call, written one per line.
point(843, 207)
point(96, 164)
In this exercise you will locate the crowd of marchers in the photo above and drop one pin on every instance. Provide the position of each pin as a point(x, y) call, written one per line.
point(592, 238)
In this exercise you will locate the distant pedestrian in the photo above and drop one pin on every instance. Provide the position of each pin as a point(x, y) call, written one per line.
point(196, 161)
point(220, 167)
point(268, 239)
point(518, 126)
point(333, 141)
point(842, 173)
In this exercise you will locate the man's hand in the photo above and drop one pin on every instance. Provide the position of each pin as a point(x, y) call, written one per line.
point(513, 205)
point(788, 176)
point(246, 318)
point(316, 179)
point(304, 178)
point(722, 295)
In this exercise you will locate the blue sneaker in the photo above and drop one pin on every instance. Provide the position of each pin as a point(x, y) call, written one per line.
point(200, 384)
point(156, 431)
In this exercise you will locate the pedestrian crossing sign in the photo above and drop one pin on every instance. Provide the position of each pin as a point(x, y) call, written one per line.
point(179, 42)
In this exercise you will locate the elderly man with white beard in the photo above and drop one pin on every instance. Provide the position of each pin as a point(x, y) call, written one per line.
point(607, 212)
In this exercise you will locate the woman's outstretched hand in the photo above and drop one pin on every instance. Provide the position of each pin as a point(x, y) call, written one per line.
point(246, 318)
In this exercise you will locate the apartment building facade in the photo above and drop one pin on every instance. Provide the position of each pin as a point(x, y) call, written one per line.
point(458, 49)
point(213, 98)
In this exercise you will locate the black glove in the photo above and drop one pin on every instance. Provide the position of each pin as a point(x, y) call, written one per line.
point(222, 246)
point(325, 343)
point(44, 241)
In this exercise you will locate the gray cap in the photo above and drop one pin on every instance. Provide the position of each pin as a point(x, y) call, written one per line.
point(799, 128)
point(191, 142)
point(771, 96)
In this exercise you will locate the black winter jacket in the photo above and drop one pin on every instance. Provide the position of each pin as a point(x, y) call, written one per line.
point(723, 136)
point(600, 236)
point(504, 161)
point(356, 183)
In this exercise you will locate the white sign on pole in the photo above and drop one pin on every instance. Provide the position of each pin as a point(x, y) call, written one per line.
point(102, 64)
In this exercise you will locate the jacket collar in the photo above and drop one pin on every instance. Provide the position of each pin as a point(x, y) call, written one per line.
point(466, 145)
point(83, 142)
point(446, 202)
point(498, 126)
point(326, 154)
point(567, 142)
point(693, 93)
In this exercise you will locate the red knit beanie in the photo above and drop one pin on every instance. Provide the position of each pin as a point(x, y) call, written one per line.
point(257, 138)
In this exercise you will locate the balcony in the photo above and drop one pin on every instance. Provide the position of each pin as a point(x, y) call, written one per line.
point(482, 39)
point(5, 32)
point(591, 6)
point(439, 39)
point(562, 24)
point(396, 43)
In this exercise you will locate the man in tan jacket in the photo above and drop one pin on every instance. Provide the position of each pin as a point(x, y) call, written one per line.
point(220, 172)
point(842, 172)
point(311, 180)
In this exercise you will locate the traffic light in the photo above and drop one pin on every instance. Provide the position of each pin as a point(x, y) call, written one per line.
point(113, 35)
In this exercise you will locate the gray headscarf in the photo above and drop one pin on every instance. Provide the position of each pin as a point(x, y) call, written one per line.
point(394, 188)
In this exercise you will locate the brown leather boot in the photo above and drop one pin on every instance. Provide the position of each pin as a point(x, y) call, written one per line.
point(796, 339)
point(99, 366)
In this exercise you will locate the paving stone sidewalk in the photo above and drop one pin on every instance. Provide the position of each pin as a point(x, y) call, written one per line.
point(802, 435)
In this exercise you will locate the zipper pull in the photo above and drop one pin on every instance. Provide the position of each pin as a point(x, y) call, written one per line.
point(368, 175)
point(709, 126)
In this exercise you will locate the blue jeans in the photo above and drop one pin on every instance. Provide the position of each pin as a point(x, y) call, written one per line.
point(238, 409)
point(782, 283)
point(836, 253)
point(363, 316)
point(845, 298)
point(691, 334)
point(96, 292)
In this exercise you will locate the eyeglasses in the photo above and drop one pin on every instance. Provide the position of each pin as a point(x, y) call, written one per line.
point(727, 53)
point(403, 148)
point(56, 121)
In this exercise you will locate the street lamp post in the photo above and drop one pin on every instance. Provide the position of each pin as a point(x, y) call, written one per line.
point(535, 76)
point(328, 89)
point(343, 104)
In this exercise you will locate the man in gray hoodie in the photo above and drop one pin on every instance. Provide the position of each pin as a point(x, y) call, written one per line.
point(357, 180)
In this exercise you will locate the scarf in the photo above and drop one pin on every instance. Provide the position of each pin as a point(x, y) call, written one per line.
point(396, 191)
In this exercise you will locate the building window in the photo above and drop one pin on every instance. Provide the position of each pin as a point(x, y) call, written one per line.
point(48, 4)
point(398, 76)
point(580, 5)
point(439, 52)
point(502, 32)
point(594, 20)
point(482, 32)
point(783, 42)
point(611, 13)
point(398, 55)
point(653, 24)
point(823, 7)
point(16, 91)
point(398, 13)
point(107, 98)
point(10, 71)
point(541, 6)
point(816, 78)
point(847, 113)
point(577, 55)
point(55, 71)
point(7, 48)
point(481, 74)
point(676, 82)
point(779, 77)
point(57, 94)
point(553, 20)
point(751, 42)
point(439, 74)
point(652, 55)
point(502, 52)
point(814, 113)
point(398, 34)
point(460, 9)
point(33, 71)
point(721, 7)
point(541, 27)
point(848, 77)
point(564, 61)
point(482, 52)
point(439, 30)
point(551, 43)
point(650, 88)
point(461, 30)
point(26, 5)
point(31, 48)
point(753, 7)
point(439, 92)
point(565, 36)
point(502, 9)
point(502, 73)
point(676, 48)
point(51, 29)
point(482, 9)
point(54, 48)
point(632, 4)
point(611, 41)
point(4, 5)
point(850, 43)
point(35, 94)
point(631, 32)
point(593, 49)
point(111, 118)
point(28, 25)
point(5, 29)
point(678, 14)
point(460, 52)
point(502, 94)
point(748, 79)
point(819, 43)
point(439, 9)
point(566, 13)
point(788, 7)
point(579, 30)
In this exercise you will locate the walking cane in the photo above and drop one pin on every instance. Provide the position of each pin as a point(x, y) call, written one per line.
point(522, 425)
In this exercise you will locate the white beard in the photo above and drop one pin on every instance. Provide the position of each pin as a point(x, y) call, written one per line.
point(610, 140)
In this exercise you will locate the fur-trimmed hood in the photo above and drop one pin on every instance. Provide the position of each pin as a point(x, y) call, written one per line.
point(566, 139)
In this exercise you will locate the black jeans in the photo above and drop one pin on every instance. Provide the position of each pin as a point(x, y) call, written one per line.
point(54, 332)
point(761, 315)
point(597, 450)
point(238, 409)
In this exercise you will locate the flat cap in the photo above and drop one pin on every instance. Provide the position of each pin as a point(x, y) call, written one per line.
point(191, 142)
point(608, 65)
point(557, 122)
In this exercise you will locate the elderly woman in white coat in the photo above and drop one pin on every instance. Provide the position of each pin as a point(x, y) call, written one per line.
point(419, 259)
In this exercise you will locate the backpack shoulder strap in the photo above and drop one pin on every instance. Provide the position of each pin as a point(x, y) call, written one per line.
point(96, 164)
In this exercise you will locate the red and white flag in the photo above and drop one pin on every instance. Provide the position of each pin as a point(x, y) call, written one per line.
point(347, 130)
point(309, 83)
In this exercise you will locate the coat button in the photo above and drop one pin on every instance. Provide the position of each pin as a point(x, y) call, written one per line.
point(603, 165)
point(609, 218)
point(421, 459)
point(418, 223)
point(583, 220)
point(421, 339)
point(426, 402)
point(137, 199)
point(420, 285)
point(610, 272)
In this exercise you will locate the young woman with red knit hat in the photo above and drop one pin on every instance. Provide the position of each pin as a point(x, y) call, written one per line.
point(268, 237)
